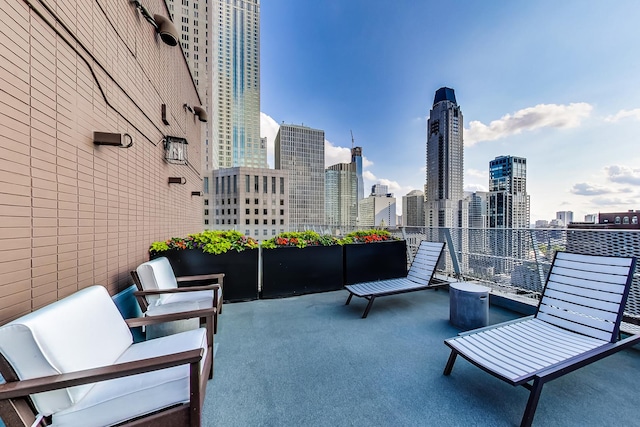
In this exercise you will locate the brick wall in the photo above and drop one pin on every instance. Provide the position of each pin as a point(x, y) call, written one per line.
point(73, 214)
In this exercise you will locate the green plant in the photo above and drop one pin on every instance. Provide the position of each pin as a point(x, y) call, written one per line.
point(299, 239)
point(367, 236)
point(209, 241)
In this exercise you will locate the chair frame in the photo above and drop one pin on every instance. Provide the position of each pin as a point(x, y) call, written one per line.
point(535, 380)
point(17, 410)
point(380, 288)
point(217, 287)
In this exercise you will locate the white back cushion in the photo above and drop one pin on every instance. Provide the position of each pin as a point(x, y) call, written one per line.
point(157, 274)
point(82, 331)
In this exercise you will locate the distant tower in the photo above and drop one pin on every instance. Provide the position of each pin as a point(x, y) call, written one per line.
point(565, 216)
point(341, 195)
point(446, 207)
point(413, 209)
point(300, 151)
point(445, 161)
point(235, 43)
point(356, 157)
point(508, 210)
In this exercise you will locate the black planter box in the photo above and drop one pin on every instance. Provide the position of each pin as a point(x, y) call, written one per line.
point(366, 262)
point(240, 270)
point(295, 271)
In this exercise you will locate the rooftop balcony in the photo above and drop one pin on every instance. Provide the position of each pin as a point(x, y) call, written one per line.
point(312, 361)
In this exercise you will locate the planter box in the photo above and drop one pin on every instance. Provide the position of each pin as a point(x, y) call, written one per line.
point(366, 262)
point(294, 271)
point(240, 270)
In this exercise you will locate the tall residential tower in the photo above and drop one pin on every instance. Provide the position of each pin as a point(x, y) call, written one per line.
point(236, 86)
point(445, 160)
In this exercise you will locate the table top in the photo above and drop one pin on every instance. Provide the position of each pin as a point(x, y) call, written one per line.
point(469, 287)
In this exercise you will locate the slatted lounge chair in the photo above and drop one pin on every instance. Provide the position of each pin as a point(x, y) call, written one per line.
point(577, 323)
point(419, 277)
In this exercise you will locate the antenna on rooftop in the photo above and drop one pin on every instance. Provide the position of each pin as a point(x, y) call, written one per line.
point(352, 141)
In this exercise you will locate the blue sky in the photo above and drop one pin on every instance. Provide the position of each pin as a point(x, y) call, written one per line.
point(555, 82)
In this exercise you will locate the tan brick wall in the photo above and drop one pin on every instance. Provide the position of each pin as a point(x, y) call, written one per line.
point(73, 214)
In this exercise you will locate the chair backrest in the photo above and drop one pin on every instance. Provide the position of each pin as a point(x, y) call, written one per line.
point(424, 263)
point(587, 294)
point(82, 331)
point(157, 274)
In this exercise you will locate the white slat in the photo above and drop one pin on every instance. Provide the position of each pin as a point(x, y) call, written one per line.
point(580, 300)
point(607, 291)
point(604, 315)
point(594, 259)
point(573, 325)
point(619, 270)
point(590, 275)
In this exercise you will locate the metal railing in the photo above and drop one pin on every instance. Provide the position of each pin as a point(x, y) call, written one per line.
point(517, 261)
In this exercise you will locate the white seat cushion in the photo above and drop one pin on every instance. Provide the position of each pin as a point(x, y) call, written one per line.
point(157, 274)
point(201, 299)
point(82, 331)
point(113, 401)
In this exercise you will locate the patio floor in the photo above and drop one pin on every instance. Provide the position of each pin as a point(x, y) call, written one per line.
point(312, 361)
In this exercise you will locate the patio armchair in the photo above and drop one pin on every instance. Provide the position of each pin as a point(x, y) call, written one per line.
point(577, 322)
point(419, 277)
point(158, 291)
point(74, 363)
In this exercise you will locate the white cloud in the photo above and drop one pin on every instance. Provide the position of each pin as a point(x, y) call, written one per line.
point(623, 174)
point(334, 154)
point(587, 189)
point(623, 114)
point(476, 173)
point(269, 129)
point(475, 187)
point(611, 202)
point(369, 176)
point(528, 119)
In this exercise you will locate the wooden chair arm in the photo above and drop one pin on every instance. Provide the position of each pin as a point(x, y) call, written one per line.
point(11, 390)
point(201, 277)
point(170, 317)
point(212, 287)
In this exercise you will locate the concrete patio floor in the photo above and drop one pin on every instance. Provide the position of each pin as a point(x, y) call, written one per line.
point(312, 361)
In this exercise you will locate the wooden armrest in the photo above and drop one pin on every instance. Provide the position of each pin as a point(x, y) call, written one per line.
point(218, 276)
point(170, 317)
point(21, 388)
point(212, 287)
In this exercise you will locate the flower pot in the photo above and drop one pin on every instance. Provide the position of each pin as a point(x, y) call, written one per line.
point(366, 262)
point(240, 269)
point(289, 271)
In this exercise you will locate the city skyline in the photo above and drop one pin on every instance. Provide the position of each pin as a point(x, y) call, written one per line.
point(554, 83)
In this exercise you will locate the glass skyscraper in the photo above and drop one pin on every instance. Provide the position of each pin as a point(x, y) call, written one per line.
point(236, 85)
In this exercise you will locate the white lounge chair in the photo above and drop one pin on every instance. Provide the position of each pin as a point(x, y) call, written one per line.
point(577, 323)
point(418, 277)
point(75, 363)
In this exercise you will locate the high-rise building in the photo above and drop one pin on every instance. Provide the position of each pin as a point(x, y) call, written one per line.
point(508, 198)
point(378, 210)
point(250, 200)
point(341, 195)
point(508, 209)
point(235, 87)
point(299, 150)
point(413, 209)
point(445, 162)
point(194, 21)
point(446, 206)
point(356, 158)
point(565, 216)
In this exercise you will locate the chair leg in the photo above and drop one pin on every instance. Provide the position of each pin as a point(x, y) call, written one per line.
point(452, 359)
point(366, 310)
point(215, 323)
point(532, 403)
point(348, 299)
